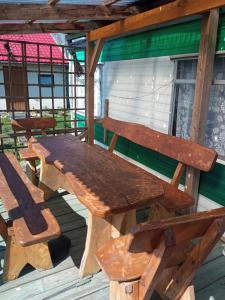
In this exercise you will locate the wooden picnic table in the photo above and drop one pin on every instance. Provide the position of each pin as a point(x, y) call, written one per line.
point(109, 186)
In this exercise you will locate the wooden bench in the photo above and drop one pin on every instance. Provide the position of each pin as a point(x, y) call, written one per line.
point(31, 127)
point(31, 223)
point(161, 256)
point(187, 153)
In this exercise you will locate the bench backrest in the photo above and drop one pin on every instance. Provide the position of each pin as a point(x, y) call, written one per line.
point(185, 228)
point(32, 220)
point(160, 238)
point(30, 124)
point(184, 151)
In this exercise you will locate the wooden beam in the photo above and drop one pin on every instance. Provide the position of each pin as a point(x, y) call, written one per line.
point(202, 93)
point(92, 56)
point(165, 13)
point(53, 2)
point(90, 92)
point(61, 12)
point(95, 56)
point(47, 27)
point(110, 2)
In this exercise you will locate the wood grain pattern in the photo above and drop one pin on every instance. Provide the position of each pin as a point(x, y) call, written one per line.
point(140, 258)
point(157, 16)
point(17, 257)
point(105, 183)
point(204, 77)
point(33, 123)
point(32, 221)
point(186, 152)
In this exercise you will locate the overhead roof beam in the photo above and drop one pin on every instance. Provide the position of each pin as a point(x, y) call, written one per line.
point(165, 13)
point(53, 2)
point(61, 12)
point(46, 27)
point(110, 2)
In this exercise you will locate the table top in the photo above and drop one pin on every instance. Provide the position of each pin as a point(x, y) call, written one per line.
point(105, 183)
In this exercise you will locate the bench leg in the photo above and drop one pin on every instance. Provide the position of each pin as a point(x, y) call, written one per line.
point(31, 171)
point(17, 257)
point(99, 232)
point(189, 294)
point(124, 291)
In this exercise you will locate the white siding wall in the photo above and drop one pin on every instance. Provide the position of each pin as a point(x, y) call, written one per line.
point(33, 91)
point(139, 91)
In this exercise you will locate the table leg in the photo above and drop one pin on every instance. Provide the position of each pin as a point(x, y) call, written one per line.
point(48, 182)
point(99, 232)
point(51, 179)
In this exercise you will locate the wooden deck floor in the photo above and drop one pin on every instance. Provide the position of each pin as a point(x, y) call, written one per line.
point(62, 282)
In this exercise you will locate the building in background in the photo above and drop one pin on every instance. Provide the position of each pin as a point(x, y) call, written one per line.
point(32, 77)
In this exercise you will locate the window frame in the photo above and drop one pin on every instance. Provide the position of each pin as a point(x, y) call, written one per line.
point(49, 75)
point(187, 81)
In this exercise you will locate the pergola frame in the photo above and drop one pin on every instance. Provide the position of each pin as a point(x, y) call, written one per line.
point(172, 11)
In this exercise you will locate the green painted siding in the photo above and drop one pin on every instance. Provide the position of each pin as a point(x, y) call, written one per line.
point(212, 184)
point(172, 40)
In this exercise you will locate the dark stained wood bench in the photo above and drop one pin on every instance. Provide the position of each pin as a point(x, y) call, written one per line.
point(187, 153)
point(31, 127)
point(140, 262)
point(31, 223)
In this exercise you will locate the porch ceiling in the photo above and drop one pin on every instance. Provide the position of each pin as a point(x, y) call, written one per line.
point(67, 15)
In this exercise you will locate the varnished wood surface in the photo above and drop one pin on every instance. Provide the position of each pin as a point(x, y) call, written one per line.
point(27, 154)
point(63, 282)
point(32, 220)
point(33, 123)
point(105, 183)
point(186, 152)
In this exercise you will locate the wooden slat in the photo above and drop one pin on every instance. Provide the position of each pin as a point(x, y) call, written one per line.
point(113, 143)
point(95, 56)
point(47, 27)
point(53, 2)
point(183, 277)
point(186, 228)
point(90, 92)
point(202, 93)
point(110, 2)
point(61, 12)
point(165, 13)
point(32, 123)
point(186, 152)
point(177, 174)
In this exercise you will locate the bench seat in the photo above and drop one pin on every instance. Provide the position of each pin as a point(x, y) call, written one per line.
point(31, 223)
point(27, 154)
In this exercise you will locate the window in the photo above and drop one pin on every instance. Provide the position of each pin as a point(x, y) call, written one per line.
point(184, 89)
point(46, 80)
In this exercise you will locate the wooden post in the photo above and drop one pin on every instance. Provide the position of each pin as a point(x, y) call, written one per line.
point(202, 93)
point(92, 56)
point(106, 114)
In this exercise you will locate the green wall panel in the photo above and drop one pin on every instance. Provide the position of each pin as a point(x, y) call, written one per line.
point(172, 40)
point(212, 184)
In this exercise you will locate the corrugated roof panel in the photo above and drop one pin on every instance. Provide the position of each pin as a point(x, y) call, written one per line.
point(84, 2)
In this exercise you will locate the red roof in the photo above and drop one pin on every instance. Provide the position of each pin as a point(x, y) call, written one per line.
point(31, 48)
